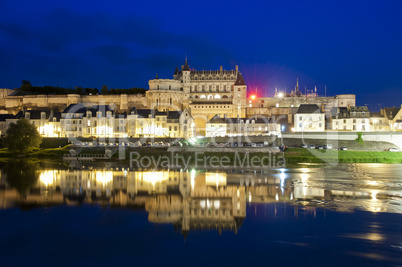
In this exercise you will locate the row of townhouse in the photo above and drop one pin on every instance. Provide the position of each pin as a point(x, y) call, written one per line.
point(310, 118)
point(77, 120)
point(255, 126)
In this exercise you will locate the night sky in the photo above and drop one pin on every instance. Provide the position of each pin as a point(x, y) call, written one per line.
point(350, 46)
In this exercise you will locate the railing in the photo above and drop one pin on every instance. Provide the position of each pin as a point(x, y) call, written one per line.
point(85, 156)
point(212, 100)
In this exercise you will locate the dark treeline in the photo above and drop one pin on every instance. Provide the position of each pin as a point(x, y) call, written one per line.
point(52, 90)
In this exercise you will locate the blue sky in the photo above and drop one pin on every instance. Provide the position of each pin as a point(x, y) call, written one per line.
point(350, 46)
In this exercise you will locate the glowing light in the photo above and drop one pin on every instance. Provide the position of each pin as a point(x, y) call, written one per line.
point(252, 97)
point(192, 178)
point(374, 195)
point(280, 95)
point(217, 179)
point(154, 177)
point(104, 177)
point(47, 177)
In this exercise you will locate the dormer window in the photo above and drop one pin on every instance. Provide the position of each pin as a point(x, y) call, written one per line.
point(54, 119)
point(89, 114)
point(27, 115)
point(42, 115)
point(99, 114)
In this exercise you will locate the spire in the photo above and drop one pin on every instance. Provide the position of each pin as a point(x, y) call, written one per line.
point(239, 80)
point(315, 89)
point(186, 67)
point(156, 77)
point(176, 71)
point(297, 84)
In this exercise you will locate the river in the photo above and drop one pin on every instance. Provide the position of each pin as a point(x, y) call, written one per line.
point(106, 214)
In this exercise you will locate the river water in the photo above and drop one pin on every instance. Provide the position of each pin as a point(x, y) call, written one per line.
point(320, 215)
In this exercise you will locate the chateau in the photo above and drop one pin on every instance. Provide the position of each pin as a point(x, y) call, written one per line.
point(204, 93)
point(186, 105)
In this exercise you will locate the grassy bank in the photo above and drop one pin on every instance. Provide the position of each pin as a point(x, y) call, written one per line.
point(292, 155)
point(297, 155)
point(40, 153)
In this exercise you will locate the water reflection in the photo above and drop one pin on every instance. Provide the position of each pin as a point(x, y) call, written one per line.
point(204, 200)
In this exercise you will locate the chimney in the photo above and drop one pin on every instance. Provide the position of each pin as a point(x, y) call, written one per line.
point(221, 68)
point(237, 68)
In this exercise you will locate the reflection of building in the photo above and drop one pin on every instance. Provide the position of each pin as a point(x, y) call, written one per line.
point(210, 205)
point(191, 200)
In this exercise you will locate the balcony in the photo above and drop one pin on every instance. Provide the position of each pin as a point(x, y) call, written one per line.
point(212, 100)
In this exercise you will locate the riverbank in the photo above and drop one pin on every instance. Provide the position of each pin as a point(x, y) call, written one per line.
point(297, 155)
point(235, 155)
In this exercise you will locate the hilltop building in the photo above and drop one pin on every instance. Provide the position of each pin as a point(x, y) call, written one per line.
point(205, 93)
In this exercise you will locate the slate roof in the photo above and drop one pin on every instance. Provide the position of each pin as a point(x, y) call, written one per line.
point(341, 113)
point(4, 117)
point(36, 114)
point(239, 80)
point(359, 112)
point(390, 113)
point(56, 114)
point(308, 109)
point(376, 115)
point(103, 108)
point(120, 115)
point(216, 119)
point(173, 115)
point(75, 108)
point(185, 67)
point(359, 109)
point(144, 113)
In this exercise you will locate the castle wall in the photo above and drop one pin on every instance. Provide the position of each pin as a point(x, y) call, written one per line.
point(13, 104)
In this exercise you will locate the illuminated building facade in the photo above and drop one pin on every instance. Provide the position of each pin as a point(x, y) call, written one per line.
point(253, 126)
point(309, 118)
point(102, 121)
point(203, 93)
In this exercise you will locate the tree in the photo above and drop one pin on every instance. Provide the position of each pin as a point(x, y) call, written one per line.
point(104, 90)
point(22, 137)
point(359, 138)
point(21, 175)
point(26, 86)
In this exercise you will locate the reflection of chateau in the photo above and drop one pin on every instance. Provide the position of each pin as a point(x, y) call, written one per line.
point(210, 204)
point(187, 200)
point(191, 200)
